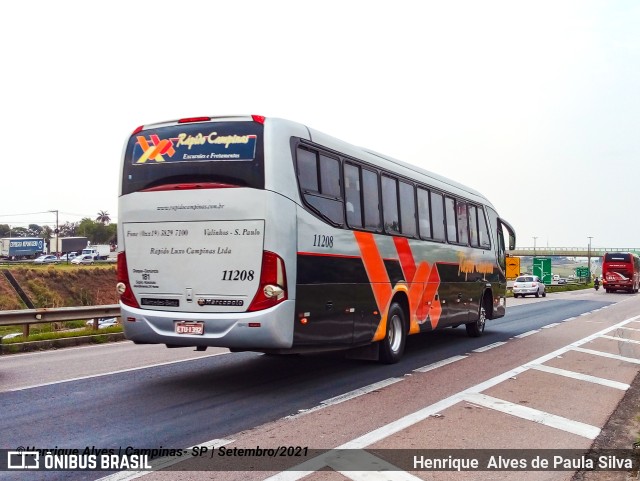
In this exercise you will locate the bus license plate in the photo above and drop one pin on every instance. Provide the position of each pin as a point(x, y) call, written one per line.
point(190, 328)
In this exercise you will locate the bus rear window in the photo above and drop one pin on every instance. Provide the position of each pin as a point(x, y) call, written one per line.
point(617, 258)
point(220, 152)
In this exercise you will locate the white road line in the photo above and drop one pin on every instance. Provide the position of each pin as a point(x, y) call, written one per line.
point(535, 415)
point(347, 396)
point(525, 334)
point(568, 319)
point(622, 339)
point(551, 325)
point(488, 346)
point(317, 463)
point(581, 377)
point(378, 469)
point(165, 462)
point(607, 354)
point(438, 364)
point(110, 373)
point(630, 329)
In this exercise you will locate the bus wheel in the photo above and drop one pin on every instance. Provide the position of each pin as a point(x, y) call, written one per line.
point(476, 328)
point(392, 346)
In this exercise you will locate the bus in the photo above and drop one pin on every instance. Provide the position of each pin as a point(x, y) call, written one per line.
point(263, 234)
point(621, 271)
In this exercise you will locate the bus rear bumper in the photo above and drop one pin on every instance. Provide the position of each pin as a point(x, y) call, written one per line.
point(268, 329)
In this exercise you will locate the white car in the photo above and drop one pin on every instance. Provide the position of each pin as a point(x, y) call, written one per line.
point(103, 323)
point(48, 259)
point(83, 259)
point(529, 285)
point(68, 257)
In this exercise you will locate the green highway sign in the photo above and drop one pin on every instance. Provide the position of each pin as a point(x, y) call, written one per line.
point(582, 272)
point(542, 269)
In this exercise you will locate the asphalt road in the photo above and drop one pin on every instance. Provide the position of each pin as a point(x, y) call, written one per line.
point(75, 397)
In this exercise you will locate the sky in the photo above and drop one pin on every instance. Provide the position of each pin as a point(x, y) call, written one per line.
point(536, 104)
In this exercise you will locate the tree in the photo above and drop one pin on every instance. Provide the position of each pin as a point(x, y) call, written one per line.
point(103, 217)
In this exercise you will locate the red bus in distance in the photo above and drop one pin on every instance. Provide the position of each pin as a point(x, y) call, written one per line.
point(621, 271)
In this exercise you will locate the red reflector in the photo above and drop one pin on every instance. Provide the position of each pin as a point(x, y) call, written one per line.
point(195, 185)
point(254, 324)
point(258, 118)
point(193, 119)
point(131, 319)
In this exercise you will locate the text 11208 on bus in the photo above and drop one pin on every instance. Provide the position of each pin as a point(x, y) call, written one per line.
point(263, 234)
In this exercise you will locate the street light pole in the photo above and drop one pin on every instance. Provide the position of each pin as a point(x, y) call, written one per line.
point(534, 246)
point(56, 231)
point(589, 256)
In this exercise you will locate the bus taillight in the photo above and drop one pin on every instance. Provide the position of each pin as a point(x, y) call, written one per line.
point(273, 283)
point(123, 287)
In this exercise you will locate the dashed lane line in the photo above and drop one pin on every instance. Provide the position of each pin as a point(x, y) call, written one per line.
point(438, 364)
point(535, 415)
point(621, 339)
point(489, 346)
point(606, 354)
point(581, 377)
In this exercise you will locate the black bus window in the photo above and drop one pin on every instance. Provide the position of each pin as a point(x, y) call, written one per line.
point(407, 209)
point(390, 205)
point(371, 199)
point(424, 216)
point(450, 218)
point(329, 176)
point(437, 216)
point(462, 221)
point(307, 170)
point(473, 226)
point(352, 194)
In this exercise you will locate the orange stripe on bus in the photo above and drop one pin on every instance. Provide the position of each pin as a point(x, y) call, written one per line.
point(378, 277)
point(407, 261)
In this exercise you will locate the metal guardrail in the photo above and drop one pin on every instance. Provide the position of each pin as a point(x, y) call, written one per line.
point(25, 317)
point(570, 251)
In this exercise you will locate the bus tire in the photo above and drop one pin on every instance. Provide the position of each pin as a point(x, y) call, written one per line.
point(392, 346)
point(476, 328)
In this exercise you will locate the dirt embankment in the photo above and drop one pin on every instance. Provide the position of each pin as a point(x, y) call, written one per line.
point(54, 286)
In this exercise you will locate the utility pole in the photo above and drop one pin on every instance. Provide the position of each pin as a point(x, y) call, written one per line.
point(56, 232)
point(589, 257)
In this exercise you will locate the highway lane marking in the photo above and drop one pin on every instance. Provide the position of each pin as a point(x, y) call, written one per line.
point(551, 325)
point(581, 377)
point(438, 364)
point(607, 354)
point(541, 417)
point(525, 334)
point(630, 329)
point(347, 396)
point(91, 376)
point(489, 346)
point(319, 462)
point(568, 319)
point(622, 339)
point(165, 462)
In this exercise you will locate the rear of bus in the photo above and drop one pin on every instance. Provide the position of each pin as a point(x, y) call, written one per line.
point(206, 255)
point(620, 271)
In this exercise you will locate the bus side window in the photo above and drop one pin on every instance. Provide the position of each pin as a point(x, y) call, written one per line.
point(307, 170)
point(321, 186)
point(407, 209)
point(473, 226)
point(390, 205)
point(424, 216)
point(450, 217)
point(462, 221)
point(484, 230)
point(437, 213)
point(371, 200)
point(352, 193)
